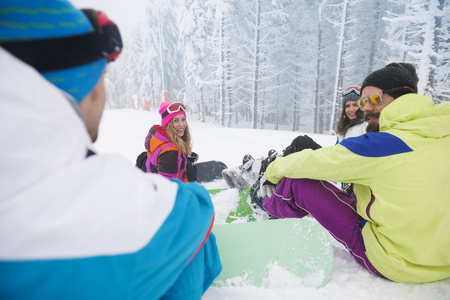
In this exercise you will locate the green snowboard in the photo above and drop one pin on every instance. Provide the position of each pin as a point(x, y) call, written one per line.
point(299, 246)
point(243, 211)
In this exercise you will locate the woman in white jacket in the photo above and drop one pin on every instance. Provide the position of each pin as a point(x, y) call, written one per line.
point(351, 122)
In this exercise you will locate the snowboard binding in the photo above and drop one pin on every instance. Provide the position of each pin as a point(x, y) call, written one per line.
point(257, 166)
point(257, 198)
point(260, 169)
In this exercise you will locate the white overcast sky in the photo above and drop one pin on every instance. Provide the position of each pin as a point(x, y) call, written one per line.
point(126, 13)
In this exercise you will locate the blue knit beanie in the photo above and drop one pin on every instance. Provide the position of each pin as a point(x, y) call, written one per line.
point(53, 37)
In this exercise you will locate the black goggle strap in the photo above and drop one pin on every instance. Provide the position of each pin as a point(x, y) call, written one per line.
point(67, 52)
point(164, 114)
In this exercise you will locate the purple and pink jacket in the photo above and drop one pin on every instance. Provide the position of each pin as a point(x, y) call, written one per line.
point(163, 156)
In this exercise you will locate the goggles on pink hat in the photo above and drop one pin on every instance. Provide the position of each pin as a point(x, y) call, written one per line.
point(175, 107)
point(169, 110)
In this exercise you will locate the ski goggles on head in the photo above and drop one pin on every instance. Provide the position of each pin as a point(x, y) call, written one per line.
point(377, 99)
point(176, 107)
point(109, 42)
point(352, 90)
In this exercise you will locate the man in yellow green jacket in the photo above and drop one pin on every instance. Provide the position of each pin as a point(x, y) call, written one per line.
point(398, 226)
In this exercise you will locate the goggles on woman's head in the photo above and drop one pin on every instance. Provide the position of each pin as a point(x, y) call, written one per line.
point(377, 98)
point(175, 107)
point(352, 90)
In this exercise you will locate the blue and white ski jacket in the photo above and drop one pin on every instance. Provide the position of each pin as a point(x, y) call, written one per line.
point(78, 227)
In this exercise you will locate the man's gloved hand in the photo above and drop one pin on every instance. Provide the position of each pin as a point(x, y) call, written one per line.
point(267, 188)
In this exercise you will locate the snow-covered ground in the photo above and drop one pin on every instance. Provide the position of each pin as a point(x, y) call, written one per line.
point(124, 131)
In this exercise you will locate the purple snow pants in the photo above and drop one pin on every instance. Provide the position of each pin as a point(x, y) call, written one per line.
point(332, 208)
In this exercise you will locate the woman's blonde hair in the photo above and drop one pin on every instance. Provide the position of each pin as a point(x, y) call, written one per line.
point(183, 143)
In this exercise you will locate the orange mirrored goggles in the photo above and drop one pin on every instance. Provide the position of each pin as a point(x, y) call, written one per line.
point(374, 100)
point(377, 99)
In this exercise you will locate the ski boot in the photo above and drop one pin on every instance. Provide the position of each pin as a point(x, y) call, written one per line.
point(241, 176)
point(247, 162)
point(272, 155)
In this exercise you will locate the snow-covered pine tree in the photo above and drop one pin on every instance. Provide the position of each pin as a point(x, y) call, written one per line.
point(417, 35)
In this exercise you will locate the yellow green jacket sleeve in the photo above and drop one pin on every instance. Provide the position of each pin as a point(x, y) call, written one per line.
point(406, 167)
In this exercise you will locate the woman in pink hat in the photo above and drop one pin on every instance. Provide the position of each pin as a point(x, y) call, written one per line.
point(169, 144)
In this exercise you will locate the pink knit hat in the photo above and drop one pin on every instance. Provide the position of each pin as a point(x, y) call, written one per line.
point(168, 110)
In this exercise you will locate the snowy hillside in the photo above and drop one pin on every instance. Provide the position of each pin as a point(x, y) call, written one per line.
point(124, 131)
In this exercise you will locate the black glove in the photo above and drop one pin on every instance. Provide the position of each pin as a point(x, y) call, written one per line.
point(192, 158)
point(300, 143)
point(348, 188)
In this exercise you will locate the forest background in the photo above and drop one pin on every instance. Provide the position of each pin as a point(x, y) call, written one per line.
point(273, 64)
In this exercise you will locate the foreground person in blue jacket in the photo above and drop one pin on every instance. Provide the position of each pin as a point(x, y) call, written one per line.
point(73, 224)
